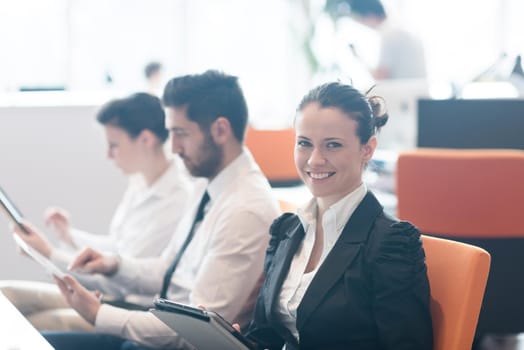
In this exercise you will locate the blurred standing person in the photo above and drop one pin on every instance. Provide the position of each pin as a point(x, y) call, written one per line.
point(401, 53)
point(153, 73)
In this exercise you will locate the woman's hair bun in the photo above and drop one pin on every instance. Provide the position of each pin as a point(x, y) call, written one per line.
point(379, 111)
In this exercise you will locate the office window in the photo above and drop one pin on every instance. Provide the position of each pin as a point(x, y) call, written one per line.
point(104, 44)
point(34, 44)
point(462, 38)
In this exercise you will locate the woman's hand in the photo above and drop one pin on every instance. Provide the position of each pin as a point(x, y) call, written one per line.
point(86, 303)
point(34, 238)
point(58, 219)
point(92, 261)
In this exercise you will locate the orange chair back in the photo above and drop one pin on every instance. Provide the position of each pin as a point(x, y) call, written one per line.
point(273, 151)
point(474, 197)
point(467, 193)
point(457, 275)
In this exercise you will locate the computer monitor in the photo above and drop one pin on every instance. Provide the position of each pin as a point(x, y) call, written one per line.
point(465, 123)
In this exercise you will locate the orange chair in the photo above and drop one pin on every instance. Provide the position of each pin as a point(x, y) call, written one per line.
point(475, 197)
point(273, 151)
point(457, 275)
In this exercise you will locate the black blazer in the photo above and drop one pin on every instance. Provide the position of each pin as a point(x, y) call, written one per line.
point(370, 293)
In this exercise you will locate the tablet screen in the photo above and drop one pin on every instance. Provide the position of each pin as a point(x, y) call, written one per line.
point(10, 208)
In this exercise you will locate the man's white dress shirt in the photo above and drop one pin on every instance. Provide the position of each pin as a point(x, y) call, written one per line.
point(221, 267)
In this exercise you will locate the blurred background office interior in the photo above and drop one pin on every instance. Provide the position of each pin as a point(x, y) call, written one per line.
point(277, 47)
point(61, 59)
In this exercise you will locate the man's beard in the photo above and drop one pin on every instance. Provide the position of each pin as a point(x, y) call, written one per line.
point(210, 160)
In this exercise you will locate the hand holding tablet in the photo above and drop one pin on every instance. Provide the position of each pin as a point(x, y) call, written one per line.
point(203, 329)
point(11, 210)
point(39, 258)
point(17, 218)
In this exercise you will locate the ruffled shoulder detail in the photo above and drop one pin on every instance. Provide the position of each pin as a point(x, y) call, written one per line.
point(401, 243)
point(278, 230)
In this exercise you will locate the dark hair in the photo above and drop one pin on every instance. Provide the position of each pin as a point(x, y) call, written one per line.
point(208, 96)
point(135, 113)
point(152, 68)
point(369, 112)
point(363, 8)
point(367, 8)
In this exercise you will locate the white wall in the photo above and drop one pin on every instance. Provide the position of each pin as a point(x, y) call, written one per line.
point(54, 156)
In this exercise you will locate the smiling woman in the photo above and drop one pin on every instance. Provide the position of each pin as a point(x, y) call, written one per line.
point(335, 130)
point(329, 156)
point(341, 274)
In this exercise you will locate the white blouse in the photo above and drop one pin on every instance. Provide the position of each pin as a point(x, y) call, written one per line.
point(221, 266)
point(142, 226)
point(145, 218)
point(297, 281)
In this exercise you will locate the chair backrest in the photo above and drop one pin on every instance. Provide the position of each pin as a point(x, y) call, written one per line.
point(475, 197)
point(467, 193)
point(457, 275)
point(273, 151)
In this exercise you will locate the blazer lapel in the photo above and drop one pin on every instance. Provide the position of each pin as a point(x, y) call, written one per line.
point(344, 251)
point(280, 268)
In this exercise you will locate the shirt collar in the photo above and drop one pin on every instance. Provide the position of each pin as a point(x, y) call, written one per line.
point(162, 187)
point(341, 211)
point(222, 181)
point(344, 208)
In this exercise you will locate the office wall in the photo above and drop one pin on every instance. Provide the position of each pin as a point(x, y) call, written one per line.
point(54, 156)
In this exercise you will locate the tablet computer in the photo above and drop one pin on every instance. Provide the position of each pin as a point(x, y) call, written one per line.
point(48, 265)
point(11, 210)
point(203, 329)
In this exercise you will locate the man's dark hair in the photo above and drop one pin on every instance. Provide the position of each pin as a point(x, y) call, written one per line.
point(152, 68)
point(208, 96)
point(134, 114)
